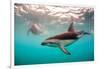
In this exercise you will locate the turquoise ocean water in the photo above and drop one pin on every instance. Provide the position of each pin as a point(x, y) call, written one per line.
point(28, 48)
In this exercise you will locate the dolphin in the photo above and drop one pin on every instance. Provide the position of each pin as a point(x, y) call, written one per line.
point(34, 29)
point(64, 39)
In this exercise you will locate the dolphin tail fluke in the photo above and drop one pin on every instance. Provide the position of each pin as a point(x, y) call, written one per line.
point(64, 50)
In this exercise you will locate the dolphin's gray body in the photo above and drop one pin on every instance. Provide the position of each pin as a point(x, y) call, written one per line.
point(64, 39)
point(34, 29)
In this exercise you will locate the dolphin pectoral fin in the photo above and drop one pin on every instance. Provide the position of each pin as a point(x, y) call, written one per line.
point(64, 50)
point(28, 31)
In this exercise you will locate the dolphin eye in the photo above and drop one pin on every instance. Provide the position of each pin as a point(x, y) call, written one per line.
point(51, 42)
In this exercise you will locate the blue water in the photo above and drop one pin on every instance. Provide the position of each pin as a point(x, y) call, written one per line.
point(28, 48)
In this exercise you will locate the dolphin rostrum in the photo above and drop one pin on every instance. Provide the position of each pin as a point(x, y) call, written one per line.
point(64, 39)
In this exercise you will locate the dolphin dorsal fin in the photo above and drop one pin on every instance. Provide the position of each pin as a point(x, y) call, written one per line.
point(71, 28)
